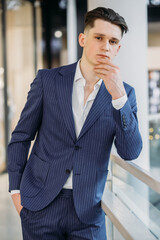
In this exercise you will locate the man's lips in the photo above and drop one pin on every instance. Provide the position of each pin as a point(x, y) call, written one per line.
point(102, 55)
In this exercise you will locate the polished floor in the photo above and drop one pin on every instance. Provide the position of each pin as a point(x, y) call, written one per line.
point(10, 224)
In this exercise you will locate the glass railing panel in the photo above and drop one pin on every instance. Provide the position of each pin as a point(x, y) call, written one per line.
point(138, 197)
point(112, 232)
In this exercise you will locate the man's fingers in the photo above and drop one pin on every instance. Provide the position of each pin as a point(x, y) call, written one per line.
point(103, 66)
point(101, 71)
point(19, 210)
point(17, 202)
point(100, 75)
point(107, 62)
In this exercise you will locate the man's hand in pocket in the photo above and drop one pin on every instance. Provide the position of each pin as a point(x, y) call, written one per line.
point(17, 202)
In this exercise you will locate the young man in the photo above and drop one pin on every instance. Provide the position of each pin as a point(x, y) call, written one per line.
point(76, 111)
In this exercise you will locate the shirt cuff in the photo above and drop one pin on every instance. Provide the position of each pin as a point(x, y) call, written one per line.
point(14, 191)
point(120, 102)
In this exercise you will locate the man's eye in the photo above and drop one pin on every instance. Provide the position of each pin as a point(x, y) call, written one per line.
point(98, 38)
point(113, 42)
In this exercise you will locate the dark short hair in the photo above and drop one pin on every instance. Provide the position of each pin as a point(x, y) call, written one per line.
point(106, 14)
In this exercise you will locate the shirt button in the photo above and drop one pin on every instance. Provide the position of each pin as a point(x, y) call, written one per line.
point(68, 171)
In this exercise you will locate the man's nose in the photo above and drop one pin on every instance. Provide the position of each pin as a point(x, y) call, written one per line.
point(106, 46)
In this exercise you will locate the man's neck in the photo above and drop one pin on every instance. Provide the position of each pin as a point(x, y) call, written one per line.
point(88, 73)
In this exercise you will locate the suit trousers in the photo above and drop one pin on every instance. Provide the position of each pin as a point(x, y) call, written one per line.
point(59, 221)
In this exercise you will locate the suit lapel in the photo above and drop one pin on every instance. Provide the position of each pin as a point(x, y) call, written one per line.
point(64, 85)
point(102, 100)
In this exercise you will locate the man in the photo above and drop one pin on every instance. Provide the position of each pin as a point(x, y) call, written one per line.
point(76, 112)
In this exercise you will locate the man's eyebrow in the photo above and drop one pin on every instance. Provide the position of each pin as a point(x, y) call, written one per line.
point(116, 39)
point(103, 35)
point(100, 34)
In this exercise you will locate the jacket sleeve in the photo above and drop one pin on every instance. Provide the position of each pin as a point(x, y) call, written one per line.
point(24, 133)
point(128, 139)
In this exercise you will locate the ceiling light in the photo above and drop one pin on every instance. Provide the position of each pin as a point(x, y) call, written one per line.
point(155, 2)
point(58, 34)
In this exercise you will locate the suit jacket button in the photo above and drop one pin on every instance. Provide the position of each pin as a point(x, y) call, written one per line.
point(76, 147)
point(68, 171)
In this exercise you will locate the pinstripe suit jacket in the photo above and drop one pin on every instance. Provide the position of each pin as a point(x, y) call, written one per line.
point(48, 115)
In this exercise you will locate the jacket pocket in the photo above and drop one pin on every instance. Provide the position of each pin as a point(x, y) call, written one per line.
point(34, 176)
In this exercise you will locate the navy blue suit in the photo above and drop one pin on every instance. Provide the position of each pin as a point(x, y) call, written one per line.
point(57, 150)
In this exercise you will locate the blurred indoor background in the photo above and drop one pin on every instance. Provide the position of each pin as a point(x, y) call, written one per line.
point(36, 34)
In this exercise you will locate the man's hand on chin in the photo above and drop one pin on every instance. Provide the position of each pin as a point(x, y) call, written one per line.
point(17, 202)
point(110, 74)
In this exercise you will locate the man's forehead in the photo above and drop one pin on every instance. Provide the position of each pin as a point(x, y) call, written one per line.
point(105, 28)
point(101, 22)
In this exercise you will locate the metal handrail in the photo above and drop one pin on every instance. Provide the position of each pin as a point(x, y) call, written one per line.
point(140, 173)
point(130, 227)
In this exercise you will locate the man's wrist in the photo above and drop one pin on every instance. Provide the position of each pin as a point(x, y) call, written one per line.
point(120, 102)
point(118, 94)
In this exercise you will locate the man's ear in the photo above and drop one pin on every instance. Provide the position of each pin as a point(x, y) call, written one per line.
point(82, 39)
point(118, 50)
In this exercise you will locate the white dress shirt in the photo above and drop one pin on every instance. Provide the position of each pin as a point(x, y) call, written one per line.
point(80, 111)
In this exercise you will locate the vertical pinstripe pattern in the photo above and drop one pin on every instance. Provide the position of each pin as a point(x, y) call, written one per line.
point(56, 151)
point(58, 221)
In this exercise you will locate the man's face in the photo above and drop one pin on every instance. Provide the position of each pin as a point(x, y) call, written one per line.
point(101, 41)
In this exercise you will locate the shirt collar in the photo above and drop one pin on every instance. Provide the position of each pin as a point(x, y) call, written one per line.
point(98, 84)
point(79, 79)
point(78, 74)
